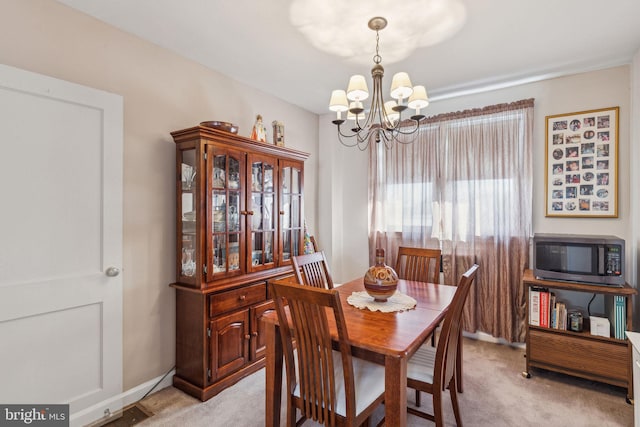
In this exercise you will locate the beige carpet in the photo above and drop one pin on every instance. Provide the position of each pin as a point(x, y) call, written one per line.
point(495, 394)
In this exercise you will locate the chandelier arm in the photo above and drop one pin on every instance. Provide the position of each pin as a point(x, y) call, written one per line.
point(363, 137)
point(415, 127)
point(386, 137)
point(357, 142)
point(363, 147)
point(410, 140)
point(361, 140)
point(344, 135)
point(346, 143)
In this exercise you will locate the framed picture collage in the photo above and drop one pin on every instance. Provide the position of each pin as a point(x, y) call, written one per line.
point(582, 164)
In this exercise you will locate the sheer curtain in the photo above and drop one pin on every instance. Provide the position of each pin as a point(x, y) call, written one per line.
point(464, 185)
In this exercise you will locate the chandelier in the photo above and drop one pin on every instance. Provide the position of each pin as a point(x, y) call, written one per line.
point(383, 122)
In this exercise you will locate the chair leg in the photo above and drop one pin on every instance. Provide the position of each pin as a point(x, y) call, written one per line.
point(437, 408)
point(459, 363)
point(418, 400)
point(454, 402)
point(291, 417)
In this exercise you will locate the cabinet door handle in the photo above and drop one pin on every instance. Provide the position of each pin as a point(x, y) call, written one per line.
point(247, 337)
point(249, 212)
point(243, 212)
point(282, 212)
point(254, 333)
point(242, 297)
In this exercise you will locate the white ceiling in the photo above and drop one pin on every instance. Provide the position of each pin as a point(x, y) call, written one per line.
point(502, 41)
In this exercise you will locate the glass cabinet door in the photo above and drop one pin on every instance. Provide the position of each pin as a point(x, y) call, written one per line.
point(187, 202)
point(291, 210)
point(262, 209)
point(225, 231)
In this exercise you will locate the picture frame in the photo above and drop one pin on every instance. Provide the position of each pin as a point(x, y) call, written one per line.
point(581, 154)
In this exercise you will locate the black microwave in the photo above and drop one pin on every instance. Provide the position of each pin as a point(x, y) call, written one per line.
point(579, 258)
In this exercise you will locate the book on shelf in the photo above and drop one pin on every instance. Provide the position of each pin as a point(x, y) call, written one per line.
point(615, 309)
point(621, 309)
point(561, 315)
point(553, 318)
point(545, 314)
point(540, 306)
point(534, 306)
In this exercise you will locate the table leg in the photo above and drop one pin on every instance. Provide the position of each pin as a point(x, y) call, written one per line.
point(273, 373)
point(395, 395)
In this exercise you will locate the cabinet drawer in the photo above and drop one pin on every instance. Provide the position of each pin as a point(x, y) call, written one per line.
point(606, 359)
point(237, 298)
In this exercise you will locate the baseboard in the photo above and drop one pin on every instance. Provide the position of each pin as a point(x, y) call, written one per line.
point(107, 410)
point(483, 336)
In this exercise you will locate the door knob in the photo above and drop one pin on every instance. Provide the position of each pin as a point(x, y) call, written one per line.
point(112, 271)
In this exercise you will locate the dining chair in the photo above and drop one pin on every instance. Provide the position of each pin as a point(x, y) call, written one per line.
point(328, 386)
point(420, 264)
point(314, 243)
point(313, 270)
point(432, 370)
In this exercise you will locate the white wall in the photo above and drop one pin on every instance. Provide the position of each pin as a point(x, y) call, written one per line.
point(579, 92)
point(342, 189)
point(162, 92)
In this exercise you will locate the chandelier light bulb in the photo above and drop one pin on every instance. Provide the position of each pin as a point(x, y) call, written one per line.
point(418, 98)
point(338, 102)
point(357, 89)
point(355, 105)
point(401, 87)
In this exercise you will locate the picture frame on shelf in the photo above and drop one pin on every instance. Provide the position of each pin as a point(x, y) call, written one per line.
point(581, 175)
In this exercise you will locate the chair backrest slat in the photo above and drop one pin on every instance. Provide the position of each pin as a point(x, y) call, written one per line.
point(418, 264)
point(313, 270)
point(447, 350)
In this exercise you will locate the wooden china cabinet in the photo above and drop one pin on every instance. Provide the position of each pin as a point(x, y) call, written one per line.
point(239, 221)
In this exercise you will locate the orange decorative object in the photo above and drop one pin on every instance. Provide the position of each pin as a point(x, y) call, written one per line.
point(259, 133)
point(380, 281)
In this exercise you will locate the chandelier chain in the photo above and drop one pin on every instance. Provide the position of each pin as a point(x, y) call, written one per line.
point(377, 58)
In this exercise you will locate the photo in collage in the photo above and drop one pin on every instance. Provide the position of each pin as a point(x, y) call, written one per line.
point(582, 164)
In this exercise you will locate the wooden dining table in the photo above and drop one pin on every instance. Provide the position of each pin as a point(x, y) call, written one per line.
point(386, 338)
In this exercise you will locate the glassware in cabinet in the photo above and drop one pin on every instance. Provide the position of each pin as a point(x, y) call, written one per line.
point(291, 210)
point(188, 213)
point(261, 219)
point(225, 230)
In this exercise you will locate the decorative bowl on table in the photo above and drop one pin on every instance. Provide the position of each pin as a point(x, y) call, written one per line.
point(225, 126)
point(380, 281)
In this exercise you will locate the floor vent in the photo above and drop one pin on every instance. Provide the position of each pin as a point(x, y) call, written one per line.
point(131, 415)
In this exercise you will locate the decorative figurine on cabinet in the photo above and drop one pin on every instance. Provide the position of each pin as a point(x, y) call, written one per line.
point(259, 133)
point(278, 133)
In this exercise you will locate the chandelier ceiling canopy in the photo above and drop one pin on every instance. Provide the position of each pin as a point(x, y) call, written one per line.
point(339, 27)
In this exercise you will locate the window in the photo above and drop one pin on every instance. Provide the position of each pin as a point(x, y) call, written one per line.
point(465, 186)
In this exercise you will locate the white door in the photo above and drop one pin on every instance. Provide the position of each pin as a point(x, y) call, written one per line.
point(60, 243)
